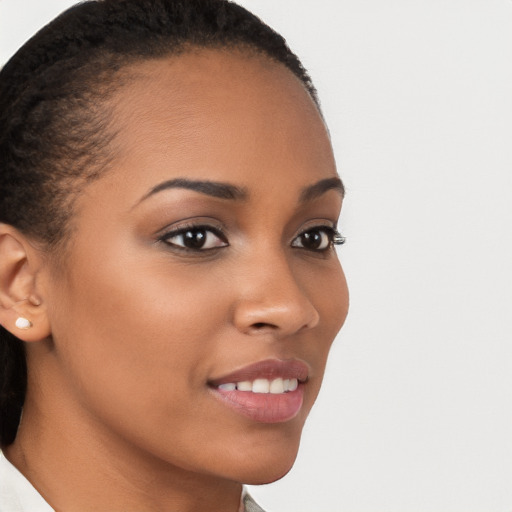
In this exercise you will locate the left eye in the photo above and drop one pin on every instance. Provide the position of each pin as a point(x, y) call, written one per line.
point(315, 239)
point(196, 239)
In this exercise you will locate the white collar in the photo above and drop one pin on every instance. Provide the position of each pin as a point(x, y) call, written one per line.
point(17, 494)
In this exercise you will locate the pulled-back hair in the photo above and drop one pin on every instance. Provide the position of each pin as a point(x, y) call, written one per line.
point(54, 122)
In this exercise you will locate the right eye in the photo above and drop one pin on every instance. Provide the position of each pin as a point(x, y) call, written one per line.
point(197, 238)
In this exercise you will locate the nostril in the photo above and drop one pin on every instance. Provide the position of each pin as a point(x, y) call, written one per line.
point(261, 325)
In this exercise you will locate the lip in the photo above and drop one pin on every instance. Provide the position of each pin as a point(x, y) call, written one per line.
point(264, 407)
point(268, 369)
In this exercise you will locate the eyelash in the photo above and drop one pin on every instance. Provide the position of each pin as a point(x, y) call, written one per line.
point(205, 232)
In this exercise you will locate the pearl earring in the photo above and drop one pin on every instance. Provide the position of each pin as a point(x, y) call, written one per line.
point(23, 323)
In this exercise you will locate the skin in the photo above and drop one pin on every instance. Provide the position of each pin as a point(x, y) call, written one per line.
point(118, 398)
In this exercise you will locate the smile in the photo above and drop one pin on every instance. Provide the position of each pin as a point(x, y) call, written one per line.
point(275, 386)
point(269, 391)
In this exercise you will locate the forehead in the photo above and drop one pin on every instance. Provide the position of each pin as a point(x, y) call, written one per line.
point(217, 111)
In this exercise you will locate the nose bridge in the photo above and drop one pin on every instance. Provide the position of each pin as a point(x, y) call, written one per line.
point(271, 296)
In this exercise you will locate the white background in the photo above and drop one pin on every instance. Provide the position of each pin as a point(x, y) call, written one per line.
point(416, 410)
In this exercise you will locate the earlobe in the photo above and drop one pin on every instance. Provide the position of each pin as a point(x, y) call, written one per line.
point(22, 311)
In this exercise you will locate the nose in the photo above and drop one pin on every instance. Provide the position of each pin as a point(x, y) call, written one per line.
point(271, 300)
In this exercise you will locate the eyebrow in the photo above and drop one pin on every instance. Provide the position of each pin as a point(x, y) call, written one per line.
point(232, 192)
point(210, 188)
point(321, 187)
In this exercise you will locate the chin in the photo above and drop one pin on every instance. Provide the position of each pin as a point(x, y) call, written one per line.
point(268, 476)
point(266, 468)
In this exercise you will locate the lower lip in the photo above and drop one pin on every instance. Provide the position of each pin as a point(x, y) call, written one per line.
point(264, 407)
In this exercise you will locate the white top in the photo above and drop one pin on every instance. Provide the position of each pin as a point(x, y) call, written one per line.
point(17, 494)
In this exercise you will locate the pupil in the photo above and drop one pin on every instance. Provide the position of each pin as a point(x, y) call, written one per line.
point(312, 240)
point(194, 239)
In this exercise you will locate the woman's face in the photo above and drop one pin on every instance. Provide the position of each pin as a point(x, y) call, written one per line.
point(200, 273)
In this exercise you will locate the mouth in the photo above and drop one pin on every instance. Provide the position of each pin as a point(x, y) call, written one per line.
point(275, 386)
point(269, 391)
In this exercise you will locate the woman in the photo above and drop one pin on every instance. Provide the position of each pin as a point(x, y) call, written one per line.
point(169, 285)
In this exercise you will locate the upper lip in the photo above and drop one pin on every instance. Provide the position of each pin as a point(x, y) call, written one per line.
point(268, 369)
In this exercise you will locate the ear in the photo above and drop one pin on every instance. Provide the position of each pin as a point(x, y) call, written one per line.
point(20, 262)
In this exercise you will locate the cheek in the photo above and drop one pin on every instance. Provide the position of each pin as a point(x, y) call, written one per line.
point(328, 291)
point(135, 336)
point(332, 302)
point(340, 299)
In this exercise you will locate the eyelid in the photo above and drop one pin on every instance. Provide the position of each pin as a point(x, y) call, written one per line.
point(316, 224)
point(191, 223)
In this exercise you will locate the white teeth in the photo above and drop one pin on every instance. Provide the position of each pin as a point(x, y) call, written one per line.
point(292, 386)
point(246, 385)
point(275, 387)
point(261, 386)
point(230, 386)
